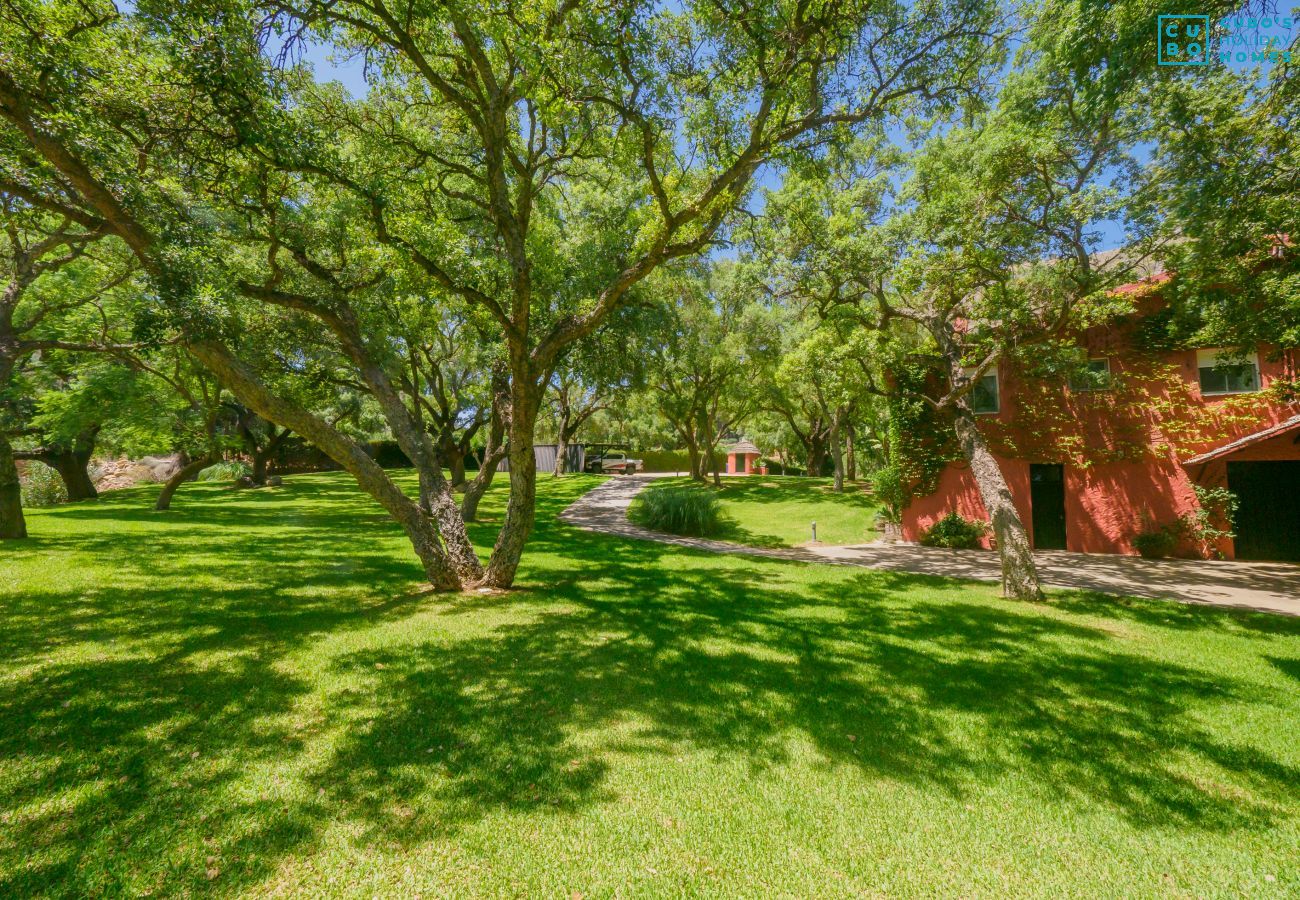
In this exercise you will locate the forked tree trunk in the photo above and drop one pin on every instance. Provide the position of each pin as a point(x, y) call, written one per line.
point(185, 473)
point(1019, 574)
point(12, 524)
point(243, 382)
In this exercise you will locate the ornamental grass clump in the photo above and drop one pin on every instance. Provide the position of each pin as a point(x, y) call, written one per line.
point(679, 510)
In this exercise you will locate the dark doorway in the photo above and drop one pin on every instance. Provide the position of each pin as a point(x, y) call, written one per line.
point(1047, 501)
point(1268, 512)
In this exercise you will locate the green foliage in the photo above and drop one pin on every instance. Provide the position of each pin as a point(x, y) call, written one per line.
point(42, 486)
point(921, 444)
point(1156, 541)
point(671, 460)
point(1214, 517)
point(954, 533)
point(226, 471)
point(678, 509)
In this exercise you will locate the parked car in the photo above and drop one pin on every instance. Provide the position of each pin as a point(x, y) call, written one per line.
point(612, 462)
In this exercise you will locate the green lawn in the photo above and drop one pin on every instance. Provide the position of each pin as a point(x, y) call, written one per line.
point(251, 695)
point(778, 510)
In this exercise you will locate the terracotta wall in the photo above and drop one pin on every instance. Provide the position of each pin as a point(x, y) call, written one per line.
point(1122, 451)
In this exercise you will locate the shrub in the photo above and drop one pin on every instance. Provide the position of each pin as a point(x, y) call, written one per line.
point(1213, 518)
point(1157, 541)
point(42, 486)
point(227, 470)
point(678, 510)
point(954, 533)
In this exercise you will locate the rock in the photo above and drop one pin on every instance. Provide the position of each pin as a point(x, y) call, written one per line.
point(162, 467)
point(274, 481)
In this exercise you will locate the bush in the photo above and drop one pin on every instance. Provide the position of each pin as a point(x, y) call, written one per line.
point(954, 533)
point(229, 470)
point(678, 510)
point(1158, 541)
point(42, 486)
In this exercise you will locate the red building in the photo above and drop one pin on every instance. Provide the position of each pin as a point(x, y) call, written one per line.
point(1094, 463)
point(742, 459)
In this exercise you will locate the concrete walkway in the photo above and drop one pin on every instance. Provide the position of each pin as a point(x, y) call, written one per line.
point(1267, 587)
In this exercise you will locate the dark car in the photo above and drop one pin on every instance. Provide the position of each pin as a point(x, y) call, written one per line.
point(612, 462)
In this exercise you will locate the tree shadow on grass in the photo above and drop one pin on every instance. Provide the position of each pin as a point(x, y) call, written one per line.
point(944, 693)
point(611, 649)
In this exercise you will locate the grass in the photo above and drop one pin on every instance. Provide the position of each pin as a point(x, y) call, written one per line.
point(252, 695)
point(778, 510)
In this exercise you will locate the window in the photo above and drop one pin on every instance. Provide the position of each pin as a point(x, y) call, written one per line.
point(1095, 376)
point(984, 396)
point(1227, 371)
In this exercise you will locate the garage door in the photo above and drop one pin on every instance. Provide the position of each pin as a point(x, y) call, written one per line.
point(1268, 518)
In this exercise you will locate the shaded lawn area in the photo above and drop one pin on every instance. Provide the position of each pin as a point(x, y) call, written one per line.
point(778, 510)
point(250, 694)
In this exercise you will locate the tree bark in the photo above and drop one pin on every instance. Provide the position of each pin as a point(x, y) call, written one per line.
point(243, 382)
point(456, 463)
point(561, 448)
point(816, 458)
point(693, 456)
point(525, 401)
point(1019, 574)
point(261, 460)
point(837, 452)
point(12, 524)
point(71, 461)
point(851, 456)
point(494, 450)
point(185, 473)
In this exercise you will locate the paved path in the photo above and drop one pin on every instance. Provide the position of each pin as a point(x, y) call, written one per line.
point(1270, 587)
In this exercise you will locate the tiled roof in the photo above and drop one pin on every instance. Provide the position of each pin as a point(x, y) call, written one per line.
point(744, 446)
point(1241, 443)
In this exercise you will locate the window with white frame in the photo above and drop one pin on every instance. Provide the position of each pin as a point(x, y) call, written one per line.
point(984, 395)
point(1227, 371)
point(1095, 376)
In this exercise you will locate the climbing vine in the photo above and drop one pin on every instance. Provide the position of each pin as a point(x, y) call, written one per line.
point(920, 443)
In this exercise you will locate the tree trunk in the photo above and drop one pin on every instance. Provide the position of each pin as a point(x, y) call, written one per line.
point(12, 524)
point(1019, 574)
point(261, 461)
point(525, 401)
point(71, 466)
point(851, 456)
point(816, 457)
point(561, 449)
point(243, 382)
point(693, 457)
point(185, 473)
point(456, 463)
point(837, 450)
